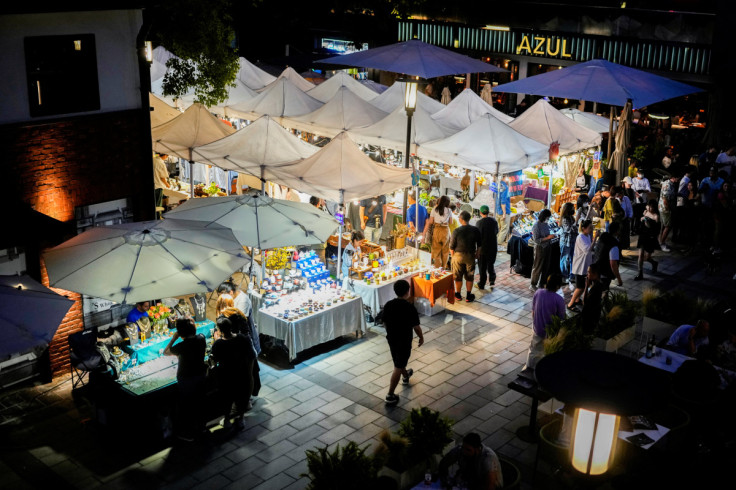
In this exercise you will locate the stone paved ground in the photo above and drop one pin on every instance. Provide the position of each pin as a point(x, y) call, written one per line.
point(471, 353)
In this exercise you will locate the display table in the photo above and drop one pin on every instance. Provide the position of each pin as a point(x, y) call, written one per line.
point(376, 296)
point(435, 288)
point(149, 377)
point(175, 196)
point(152, 349)
point(536, 193)
point(340, 319)
point(519, 250)
point(449, 183)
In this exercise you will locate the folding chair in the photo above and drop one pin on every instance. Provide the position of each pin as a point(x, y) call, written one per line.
point(84, 356)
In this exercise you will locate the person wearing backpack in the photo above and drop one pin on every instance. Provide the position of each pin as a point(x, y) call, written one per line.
point(607, 254)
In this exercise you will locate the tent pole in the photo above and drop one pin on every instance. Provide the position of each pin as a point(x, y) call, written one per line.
point(498, 191)
point(191, 174)
point(338, 271)
point(263, 181)
point(407, 159)
point(549, 185)
point(610, 134)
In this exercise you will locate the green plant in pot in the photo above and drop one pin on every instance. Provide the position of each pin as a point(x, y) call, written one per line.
point(346, 467)
point(391, 451)
point(675, 306)
point(566, 335)
point(428, 433)
point(618, 314)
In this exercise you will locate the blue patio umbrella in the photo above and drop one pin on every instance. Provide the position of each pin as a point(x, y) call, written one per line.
point(414, 58)
point(601, 81)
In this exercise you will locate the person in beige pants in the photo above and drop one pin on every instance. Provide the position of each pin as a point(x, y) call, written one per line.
point(440, 217)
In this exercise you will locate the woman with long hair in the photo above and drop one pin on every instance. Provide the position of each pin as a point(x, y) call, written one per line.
point(567, 241)
point(439, 221)
point(541, 237)
point(581, 260)
point(223, 301)
point(648, 238)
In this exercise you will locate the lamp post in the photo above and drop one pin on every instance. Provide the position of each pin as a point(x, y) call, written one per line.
point(410, 104)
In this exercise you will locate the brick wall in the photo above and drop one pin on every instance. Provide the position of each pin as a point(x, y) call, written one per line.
point(59, 165)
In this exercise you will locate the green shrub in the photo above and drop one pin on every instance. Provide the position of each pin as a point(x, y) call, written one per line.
point(343, 468)
point(427, 432)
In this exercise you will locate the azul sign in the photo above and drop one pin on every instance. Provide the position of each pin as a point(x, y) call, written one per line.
point(543, 46)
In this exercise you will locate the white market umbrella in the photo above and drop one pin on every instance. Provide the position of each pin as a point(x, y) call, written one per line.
point(446, 97)
point(260, 221)
point(390, 132)
point(327, 89)
point(378, 88)
point(344, 111)
point(132, 262)
point(342, 172)
point(281, 98)
point(252, 76)
point(543, 123)
point(393, 98)
point(465, 109)
point(255, 149)
point(597, 123)
point(30, 314)
point(295, 78)
point(196, 127)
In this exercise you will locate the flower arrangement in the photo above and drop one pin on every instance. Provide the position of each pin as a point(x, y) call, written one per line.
point(159, 312)
point(277, 258)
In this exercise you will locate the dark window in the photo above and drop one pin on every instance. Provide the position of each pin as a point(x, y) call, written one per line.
point(62, 74)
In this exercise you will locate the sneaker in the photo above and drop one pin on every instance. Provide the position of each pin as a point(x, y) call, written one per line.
point(470, 298)
point(392, 400)
point(492, 283)
point(226, 423)
point(478, 286)
point(458, 296)
point(405, 379)
point(664, 247)
point(239, 424)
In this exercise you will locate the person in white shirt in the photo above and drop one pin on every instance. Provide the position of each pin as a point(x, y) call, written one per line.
point(641, 187)
point(582, 257)
point(726, 160)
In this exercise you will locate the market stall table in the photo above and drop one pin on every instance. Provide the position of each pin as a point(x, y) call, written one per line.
point(375, 296)
point(334, 321)
point(149, 377)
point(432, 288)
point(153, 348)
point(449, 184)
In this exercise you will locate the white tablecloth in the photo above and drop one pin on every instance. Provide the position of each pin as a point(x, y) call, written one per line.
point(376, 296)
point(449, 183)
point(298, 335)
point(659, 361)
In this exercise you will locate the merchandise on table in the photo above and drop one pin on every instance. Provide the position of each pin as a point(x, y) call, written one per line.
point(523, 225)
point(299, 303)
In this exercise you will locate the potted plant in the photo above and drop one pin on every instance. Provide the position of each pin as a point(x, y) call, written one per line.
point(617, 324)
point(347, 467)
point(422, 438)
point(566, 335)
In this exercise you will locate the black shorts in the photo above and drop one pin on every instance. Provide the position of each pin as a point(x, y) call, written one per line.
point(400, 355)
point(580, 281)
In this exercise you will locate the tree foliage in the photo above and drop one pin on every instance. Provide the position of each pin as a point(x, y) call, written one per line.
point(201, 35)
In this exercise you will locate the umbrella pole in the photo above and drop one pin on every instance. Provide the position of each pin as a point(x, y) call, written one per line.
point(610, 134)
point(338, 271)
point(191, 174)
point(498, 192)
point(407, 159)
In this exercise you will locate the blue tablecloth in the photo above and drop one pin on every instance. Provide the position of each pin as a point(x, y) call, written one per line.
point(149, 352)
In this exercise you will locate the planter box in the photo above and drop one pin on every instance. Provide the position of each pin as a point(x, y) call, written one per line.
point(410, 477)
point(661, 330)
point(615, 343)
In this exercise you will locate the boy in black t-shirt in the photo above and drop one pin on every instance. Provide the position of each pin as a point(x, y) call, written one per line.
point(401, 319)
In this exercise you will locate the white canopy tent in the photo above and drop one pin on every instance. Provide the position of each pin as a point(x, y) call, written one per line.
point(393, 98)
point(235, 95)
point(489, 145)
point(543, 123)
point(390, 132)
point(290, 74)
point(376, 87)
point(281, 98)
point(161, 111)
point(327, 89)
point(252, 76)
point(342, 172)
point(465, 109)
point(255, 149)
point(195, 127)
point(344, 111)
point(592, 121)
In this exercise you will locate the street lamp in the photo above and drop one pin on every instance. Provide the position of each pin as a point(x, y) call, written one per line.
point(410, 104)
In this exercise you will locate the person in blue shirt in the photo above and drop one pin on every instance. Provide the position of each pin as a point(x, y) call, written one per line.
point(140, 310)
point(503, 199)
point(710, 187)
point(351, 250)
point(411, 214)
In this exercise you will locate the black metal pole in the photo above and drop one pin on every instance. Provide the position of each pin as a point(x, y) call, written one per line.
point(407, 158)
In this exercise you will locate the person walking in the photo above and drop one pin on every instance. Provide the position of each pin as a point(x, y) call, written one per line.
point(667, 201)
point(402, 322)
point(567, 241)
point(546, 303)
point(489, 248)
point(582, 258)
point(465, 247)
point(648, 238)
point(607, 255)
point(541, 238)
point(439, 222)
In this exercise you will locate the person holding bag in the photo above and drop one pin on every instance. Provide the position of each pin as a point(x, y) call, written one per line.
point(439, 224)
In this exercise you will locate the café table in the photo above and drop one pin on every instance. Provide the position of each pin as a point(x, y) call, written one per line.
point(670, 361)
point(334, 321)
point(434, 288)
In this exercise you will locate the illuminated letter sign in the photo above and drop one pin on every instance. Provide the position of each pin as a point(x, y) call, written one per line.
point(543, 46)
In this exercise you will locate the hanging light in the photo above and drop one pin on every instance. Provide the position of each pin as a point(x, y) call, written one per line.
point(148, 49)
point(593, 441)
point(410, 96)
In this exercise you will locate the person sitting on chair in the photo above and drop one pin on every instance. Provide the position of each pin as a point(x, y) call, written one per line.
point(687, 339)
point(478, 466)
